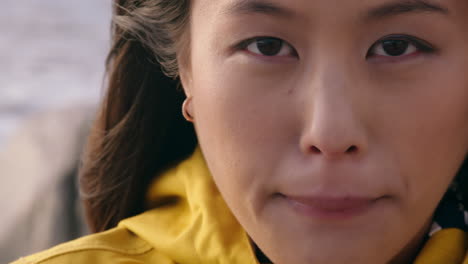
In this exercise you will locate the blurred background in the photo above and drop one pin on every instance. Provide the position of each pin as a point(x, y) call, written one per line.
point(52, 55)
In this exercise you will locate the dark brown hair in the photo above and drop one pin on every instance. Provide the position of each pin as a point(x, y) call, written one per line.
point(139, 130)
point(462, 180)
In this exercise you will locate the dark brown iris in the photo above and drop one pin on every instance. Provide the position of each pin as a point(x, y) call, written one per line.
point(269, 46)
point(395, 47)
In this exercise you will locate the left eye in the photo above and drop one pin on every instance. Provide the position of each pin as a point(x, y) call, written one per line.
point(269, 46)
point(399, 46)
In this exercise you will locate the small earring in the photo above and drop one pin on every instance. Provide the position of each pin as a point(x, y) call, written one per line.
point(185, 111)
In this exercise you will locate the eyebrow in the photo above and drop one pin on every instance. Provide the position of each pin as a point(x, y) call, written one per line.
point(405, 6)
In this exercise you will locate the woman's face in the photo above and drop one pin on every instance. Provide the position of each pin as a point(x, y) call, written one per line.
point(332, 128)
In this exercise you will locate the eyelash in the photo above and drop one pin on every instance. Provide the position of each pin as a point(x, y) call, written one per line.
point(243, 45)
point(419, 44)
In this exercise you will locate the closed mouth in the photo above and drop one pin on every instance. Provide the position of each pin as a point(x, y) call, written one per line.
point(329, 208)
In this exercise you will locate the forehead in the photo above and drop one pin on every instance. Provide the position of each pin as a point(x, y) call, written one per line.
point(310, 9)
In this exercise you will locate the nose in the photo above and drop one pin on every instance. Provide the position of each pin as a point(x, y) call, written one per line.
point(332, 125)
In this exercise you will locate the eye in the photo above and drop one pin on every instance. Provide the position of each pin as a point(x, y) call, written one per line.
point(399, 46)
point(268, 46)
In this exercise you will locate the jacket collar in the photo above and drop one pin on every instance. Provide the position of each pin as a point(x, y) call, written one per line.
point(196, 226)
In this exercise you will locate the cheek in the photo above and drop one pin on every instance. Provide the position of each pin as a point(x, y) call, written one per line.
point(244, 109)
point(246, 125)
point(428, 131)
point(242, 106)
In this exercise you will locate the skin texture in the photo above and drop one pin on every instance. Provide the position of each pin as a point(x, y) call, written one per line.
point(326, 119)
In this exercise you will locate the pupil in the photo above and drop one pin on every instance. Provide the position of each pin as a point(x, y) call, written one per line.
point(395, 47)
point(269, 46)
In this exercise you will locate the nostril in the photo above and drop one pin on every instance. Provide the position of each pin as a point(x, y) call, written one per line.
point(315, 150)
point(352, 149)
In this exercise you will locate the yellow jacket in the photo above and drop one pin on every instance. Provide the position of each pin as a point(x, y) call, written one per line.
point(199, 228)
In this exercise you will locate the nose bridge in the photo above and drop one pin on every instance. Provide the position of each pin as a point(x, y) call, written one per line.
point(332, 93)
point(332, 127)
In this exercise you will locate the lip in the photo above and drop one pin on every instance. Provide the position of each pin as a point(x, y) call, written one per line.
point(331, 208)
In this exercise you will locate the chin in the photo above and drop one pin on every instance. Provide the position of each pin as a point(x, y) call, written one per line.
point(311, 246)
point(335, 256)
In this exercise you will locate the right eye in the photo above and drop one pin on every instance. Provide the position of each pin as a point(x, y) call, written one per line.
point(399, 46)
point(269, 46)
